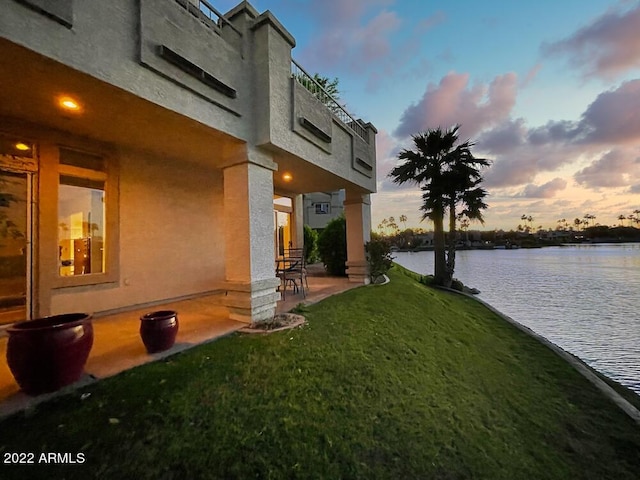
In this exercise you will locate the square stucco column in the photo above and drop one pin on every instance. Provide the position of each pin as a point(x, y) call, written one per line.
point(250, 279)
point(357, 210)
point(297, 222)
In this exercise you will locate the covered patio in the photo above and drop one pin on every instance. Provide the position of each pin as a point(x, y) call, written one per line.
point(117, 345)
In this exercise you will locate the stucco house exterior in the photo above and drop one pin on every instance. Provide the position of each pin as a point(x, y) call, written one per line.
point(322, 207)
point(156, 150)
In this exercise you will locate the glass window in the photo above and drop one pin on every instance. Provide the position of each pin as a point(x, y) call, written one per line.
point(322, 208)
point(81, 225)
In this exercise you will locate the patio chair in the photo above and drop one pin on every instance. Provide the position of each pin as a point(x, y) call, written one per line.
point(298, 254)
point(291, 269)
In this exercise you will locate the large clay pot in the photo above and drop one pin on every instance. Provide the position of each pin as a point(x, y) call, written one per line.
point(158, 330)
point(48, 353)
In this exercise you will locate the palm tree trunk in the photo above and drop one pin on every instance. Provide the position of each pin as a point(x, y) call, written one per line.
point(440, 264)
point(451, 254)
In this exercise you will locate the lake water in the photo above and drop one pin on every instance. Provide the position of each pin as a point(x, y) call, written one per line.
point(584, 298)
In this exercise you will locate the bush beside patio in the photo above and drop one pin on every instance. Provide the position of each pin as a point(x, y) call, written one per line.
point(388, 381)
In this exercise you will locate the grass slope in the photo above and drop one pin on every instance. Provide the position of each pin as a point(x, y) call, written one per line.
point(384, 382)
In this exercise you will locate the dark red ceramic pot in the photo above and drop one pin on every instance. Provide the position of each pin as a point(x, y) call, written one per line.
point(48, 353)
point(158, 330)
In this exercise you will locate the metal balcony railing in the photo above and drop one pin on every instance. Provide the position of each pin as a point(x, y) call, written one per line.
point(338, 111)
point(208, 13)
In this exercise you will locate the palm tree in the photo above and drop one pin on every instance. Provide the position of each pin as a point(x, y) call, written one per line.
point(588, 217)
point(577, 222)
point(403, 219)
point(449, 177)
point(622, 218)
point(383, 226)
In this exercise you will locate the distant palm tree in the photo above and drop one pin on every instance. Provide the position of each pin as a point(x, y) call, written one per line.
point(383, 225)
point(403, 219)
point(589, 218)
point(449, 176)
point(577, 222)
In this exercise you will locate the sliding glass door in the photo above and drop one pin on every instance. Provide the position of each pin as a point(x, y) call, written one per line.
point(15, 235)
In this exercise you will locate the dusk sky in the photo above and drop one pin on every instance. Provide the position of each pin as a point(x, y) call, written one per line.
point(548, 90)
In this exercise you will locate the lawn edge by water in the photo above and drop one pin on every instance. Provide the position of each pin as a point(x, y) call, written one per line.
point(395, 381)
point(624, 398)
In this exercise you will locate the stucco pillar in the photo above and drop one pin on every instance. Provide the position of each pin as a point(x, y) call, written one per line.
point(250, 280)
point(297, 222)
point(357, 211)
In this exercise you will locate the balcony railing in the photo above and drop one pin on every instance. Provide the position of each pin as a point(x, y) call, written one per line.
point(338, 111)
point(207, 13)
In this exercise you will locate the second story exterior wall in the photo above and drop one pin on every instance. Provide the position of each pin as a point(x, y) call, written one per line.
point(231, 73)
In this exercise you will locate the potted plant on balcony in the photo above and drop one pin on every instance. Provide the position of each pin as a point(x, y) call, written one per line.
point(49, 353)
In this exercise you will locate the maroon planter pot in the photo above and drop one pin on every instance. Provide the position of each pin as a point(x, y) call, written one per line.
point(48, 353)
point(158, 330)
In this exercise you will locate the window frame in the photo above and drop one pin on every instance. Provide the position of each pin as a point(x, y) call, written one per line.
point(111, 245)
point(322, 211)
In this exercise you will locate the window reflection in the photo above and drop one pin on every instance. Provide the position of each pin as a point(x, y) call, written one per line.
point(81, 226)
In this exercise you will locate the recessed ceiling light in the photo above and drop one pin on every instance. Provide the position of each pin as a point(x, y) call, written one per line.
point(287, 177)
point(69, 103)
point(22, 146)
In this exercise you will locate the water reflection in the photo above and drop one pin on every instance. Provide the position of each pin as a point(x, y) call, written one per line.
point(584, 298)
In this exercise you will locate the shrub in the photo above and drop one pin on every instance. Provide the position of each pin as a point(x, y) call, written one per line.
point(310, 245)
point(378, 256)
point(332, 246)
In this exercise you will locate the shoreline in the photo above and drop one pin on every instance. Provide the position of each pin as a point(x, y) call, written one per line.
point(578, 364)
point(492, 246)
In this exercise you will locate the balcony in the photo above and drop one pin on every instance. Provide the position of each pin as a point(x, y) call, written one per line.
point(338, 111)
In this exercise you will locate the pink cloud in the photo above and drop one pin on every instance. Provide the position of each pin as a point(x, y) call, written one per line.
point(431, 21)
point(346, 36)
point(610, 122)
point(504, 138)
point(614, 116)
point(338, 12)
point(547, 190)
point(387, 149)
point(520, 167)
point(616, 168)
point(531, 75)
point(607, 47)
point(454, 101)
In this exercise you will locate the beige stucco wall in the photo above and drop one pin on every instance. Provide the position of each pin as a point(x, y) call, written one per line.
point(117, 42)
point(107, 40)
point(176, 222)
point(171, 236)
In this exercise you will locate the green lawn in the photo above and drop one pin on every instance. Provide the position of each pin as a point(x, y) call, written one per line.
point(395, 381)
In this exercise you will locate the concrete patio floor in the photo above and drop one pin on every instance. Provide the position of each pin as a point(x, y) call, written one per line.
point(117, 345)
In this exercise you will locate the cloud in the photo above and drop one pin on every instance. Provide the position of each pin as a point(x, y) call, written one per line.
point(522, 165)
point(454, 101)
point(610, 122)
point(431, 21)
point(387, 149)
point(607, 47)
point(616, 168)
point(531, 75)
point(614, 116)
point(547, 190)
point(504, 138)
point(347, 36)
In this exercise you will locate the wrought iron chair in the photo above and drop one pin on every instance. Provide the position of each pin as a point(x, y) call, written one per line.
point(291, 270)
